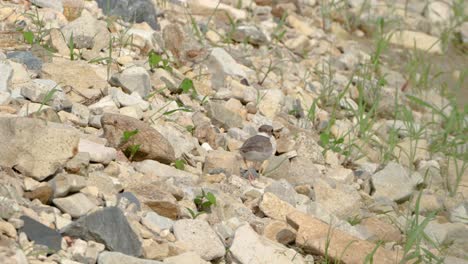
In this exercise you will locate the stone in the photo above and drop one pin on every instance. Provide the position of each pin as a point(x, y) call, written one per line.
point(35, 148)
point(221, 64)
point(75, 205)
point(97, 152)
point(154, 250)
point(6, 72)
point(161, 222)
point(92, 251)
point(38, 90)
point(223, 117)
point(249, 248)
point(42, 193)
point(274, 207)
point(152, 144)
point(270, 105)
point(123, 99)
point(314, 235)
point(414, 39)
point(164, 208)
point(283, 190)
point(152, 167)
point(393, 182)
point(63, 184)
point(250, 34)
point(128, 198)
point(8, 207)
point(438, 12)
point(340, 174)
point(7, 229)
point(119, 258)
point(181, 141)
point(78, 164)
point(342, 200)
point(133, 79)
point(460, 213)
point(131, 11)
point(84, 30)
point(200, 238)
point(106, 184)
point(186, 258)
point(280, 232)
point(54, 4)
point(86, 83)
point(221, 160)
point(91, 227)
point(27, 58)
point(58, 42)
point(221, 11)
point(41, 234)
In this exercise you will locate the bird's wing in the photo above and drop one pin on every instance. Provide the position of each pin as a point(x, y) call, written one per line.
point(258, 144)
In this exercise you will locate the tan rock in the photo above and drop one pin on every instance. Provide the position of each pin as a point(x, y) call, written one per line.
point(42, 193)
point(274, 207)
point(381, 230)
point(222, 160)
point(318, 237)
point(154, 250)
point(7, 229)
point(280, 232)
point(164, 208)
point(413, 39)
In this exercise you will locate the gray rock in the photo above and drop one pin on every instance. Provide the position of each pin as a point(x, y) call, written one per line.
point(123, 99)
point(41, 234)
point(8, 207)
point(6, 72)
point(130, 199)
point(284, 190)
point(250, 34)
point(105, 183)
point(97, 152)
point(64, 184)
point(393, 182)
point(84, 30)
point(133, 79)
point(199, 237)
point(223, 117)
point(27, 58)
point(119, 258)
point(82, 112)
point(131, 10)
point(39, 89)
point(153, 219)
point(152, 144)
point(250, 248)
point(108, 226)
point(35, 148)
point(78, 164)
point(54, 4)
point(460, 213)
point(75, 205)
point(221, 64)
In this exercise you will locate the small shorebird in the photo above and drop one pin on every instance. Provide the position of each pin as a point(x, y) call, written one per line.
point(259, 147)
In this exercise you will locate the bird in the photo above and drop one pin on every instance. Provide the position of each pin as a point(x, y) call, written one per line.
point(259, 147)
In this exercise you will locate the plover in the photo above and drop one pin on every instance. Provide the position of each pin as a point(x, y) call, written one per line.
point(259, 147)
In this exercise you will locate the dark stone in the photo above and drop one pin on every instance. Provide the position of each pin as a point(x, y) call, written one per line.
point(41, 234)
point(27, 58)
point(130, 197)
point(108, 226)
point(131, 10)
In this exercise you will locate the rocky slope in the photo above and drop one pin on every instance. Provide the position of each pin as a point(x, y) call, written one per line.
point(121, 123)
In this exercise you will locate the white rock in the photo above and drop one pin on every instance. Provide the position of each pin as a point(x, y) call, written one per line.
point(413, 39)
point(221, 64)
point(75, 205)
point(132, 111)
point(6, 72)
point(271, 103)
point(4, 98)
point(439, 12)
point(97, 152)
point(393, 182)
point(39, 89)
point(133, 79)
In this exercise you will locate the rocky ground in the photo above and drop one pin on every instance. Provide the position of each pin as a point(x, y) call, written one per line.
point(120, 131)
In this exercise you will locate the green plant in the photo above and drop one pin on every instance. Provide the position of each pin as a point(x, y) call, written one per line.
point(203, 202)
point(157, 61)
point(38, 32)
point(71, 47)
point(131, 150)
point(48, 97)
point(280, 31)
point(179, 164)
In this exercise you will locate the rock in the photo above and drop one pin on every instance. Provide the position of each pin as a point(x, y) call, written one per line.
point(128, 198)
point(460, 213)
point(131, 11)
point(151, 167)
point(181, 141)
point(36, 148)
point(221, 64)
point(223, 117)
point(86, 83)
point(413, 39)
point(220, 10)
point(27, 58)
point(250, 34)
point(249, 248)
point(92, 251)
point(64, 184)
point(119, 258)
point(153, 219)
point(8, 207)
point(444, 232)
point(393, 182)
point(342, 200)
point(280, 232)
point(7, 229)
point(40, 89)
point(6, 72)
point(91, 227)
point(152, 144)
point(54, 4)
point(301, 172)
point(220, 160)
point(380, 230)
point(78, 164)
point(186, 258)
point(438, 12)
point(84, 31)
point(58, 42)
point(314, 235)
point(275, 208)
point(164, 208)
point(41, 234)
point(133, 79)
point(105, 184)
point(199, 237)
point(123, 99)
point(340, 174)
point(42, 193)
point(75, 205)
point(283, 190)
point(97, 152)
point(271, 103)
point(154, 250)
